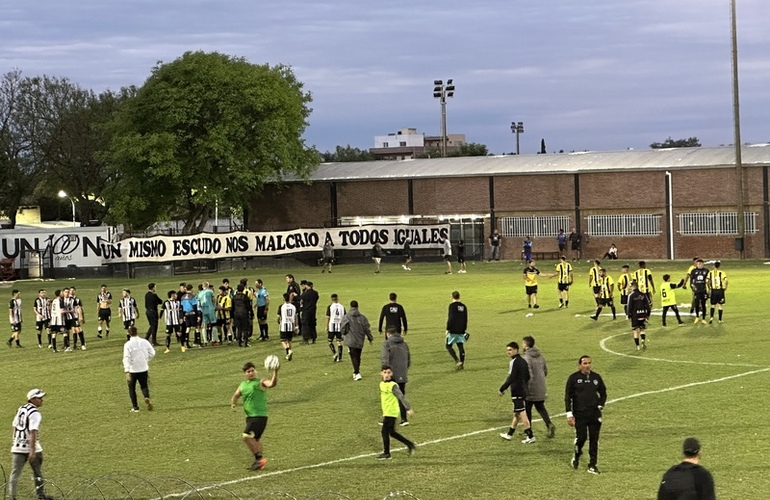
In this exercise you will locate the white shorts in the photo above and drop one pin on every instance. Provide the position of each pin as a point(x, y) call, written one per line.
point(376, 259)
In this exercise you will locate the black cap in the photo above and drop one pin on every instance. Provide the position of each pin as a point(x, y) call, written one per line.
point(691, 447)
point(303, 282)
point(309, 283)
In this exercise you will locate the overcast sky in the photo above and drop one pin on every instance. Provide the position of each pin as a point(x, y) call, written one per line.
point(595, 74)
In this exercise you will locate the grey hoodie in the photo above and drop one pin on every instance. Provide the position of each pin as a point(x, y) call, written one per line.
point(537, 373)
point(355, 327)
point(395, 353)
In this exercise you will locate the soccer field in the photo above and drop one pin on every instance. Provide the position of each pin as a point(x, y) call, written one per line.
point(708, 381)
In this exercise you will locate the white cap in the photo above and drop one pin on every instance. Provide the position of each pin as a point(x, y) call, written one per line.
point(35, 393)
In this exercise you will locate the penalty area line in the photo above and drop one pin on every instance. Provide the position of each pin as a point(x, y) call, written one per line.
point(458, 436)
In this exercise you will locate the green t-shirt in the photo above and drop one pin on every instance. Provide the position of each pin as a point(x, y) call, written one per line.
point(389, 400)
point(254, 398)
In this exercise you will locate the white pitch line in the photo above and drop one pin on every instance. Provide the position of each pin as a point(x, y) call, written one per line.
point(603, 345)
point(458, 436)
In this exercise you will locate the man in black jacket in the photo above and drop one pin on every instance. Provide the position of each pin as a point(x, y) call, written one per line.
point(151, 303)
point(518, 378)
point(584, 398)
point(639, 312)
point(687, 479)
point(393, 315)
point(308, 307)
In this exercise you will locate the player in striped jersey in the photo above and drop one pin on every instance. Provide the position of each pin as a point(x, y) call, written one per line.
point(334, 314)
point(224, 314)
point(564, 275)
point(26, 445)
point(103, 310)
point(77, 330)
point(68, 314)
point(42, 310)
point(623, 285)
point(128, 311)
point(606, 289)
point(57, 318)
point(594, 280)
point(287, 318)
point(644, 281)
point(717, 285)
point(14, 316)
point(172, 309)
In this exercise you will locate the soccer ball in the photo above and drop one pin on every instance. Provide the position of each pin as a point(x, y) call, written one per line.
point(272, 363)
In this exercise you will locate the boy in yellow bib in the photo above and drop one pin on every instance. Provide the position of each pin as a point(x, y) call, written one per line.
point(668, 298)
point(390, 395)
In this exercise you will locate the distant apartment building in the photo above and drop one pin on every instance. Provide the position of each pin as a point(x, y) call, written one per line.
point(407, 144)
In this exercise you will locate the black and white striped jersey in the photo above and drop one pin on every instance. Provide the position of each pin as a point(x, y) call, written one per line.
point(14, 311)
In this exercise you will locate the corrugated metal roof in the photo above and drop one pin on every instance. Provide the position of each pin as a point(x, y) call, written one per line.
point(469, 166)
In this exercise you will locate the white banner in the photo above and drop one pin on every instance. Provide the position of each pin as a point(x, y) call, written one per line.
point(78, 246)
point(253, 244)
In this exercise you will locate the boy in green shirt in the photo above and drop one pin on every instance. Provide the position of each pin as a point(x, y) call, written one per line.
point(255, 407)
point(390, 395)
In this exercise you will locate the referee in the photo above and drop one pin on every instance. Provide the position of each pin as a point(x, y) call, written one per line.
point(584, 398)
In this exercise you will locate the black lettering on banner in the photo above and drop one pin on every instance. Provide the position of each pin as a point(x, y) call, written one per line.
point(344, 236)
point(444, 232)
point(328, 238)
point(259, 243)
point(383, 237)
point(312, 239)
point(236, 244)
point(65, 244)
point(147, 248)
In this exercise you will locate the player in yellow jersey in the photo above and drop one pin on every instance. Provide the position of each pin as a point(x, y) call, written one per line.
point(623, 286)
point(644, 281)
point(564, 273)
point(606, 289)
point(717, 285)
point(593, 280)
point(668, 298)
point(687, 279)
point(530, 284)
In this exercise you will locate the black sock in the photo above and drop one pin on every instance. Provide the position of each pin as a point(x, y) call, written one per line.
point(39, 339)
point(168, 341)
point(720, 315)
point(257, 456)
point(331, 346)
point(461, 348)
point(53, 342)
point(566, 302)
point(614, 315)
point(636, 340)
point(528, 432)
point(644, 336)
point(339, 351)
point(711, 313)
point(511, 431)
point(287, 350)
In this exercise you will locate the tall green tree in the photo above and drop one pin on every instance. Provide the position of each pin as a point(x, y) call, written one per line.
point(690, 142)
point(206, 128)
point(19, 170)
point(69, 139)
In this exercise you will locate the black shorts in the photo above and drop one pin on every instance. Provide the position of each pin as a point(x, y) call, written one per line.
point(334, 335)
point(190, 320)
point(563, 287)
point(460, 258)
point(128, 323)
point(717, 297)
point(575, 246)
point(531, 289)
point(605, 302)
point(42, 325)
point(638, 323)
point(261, 314)
point(69, 324)
point(172, 329)
point(287, 336)
point(624, 299)
point(328, 260)
point(222, 322)
point(104, 314)
point(562, 247)
point(597, 290)
point(519, 404)
point(255, 427)
point(15, 327)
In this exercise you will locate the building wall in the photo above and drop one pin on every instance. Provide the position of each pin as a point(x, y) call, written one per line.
point(601, 193)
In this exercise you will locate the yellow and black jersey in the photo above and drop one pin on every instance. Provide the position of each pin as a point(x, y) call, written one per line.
point(606, 285)
point(716, 279)
point(623, 282)
point(593, 276)
point(530, 276)
point(643, 278)
point(564, 272)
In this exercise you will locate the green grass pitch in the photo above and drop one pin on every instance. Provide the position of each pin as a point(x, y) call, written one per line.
point(709, 381)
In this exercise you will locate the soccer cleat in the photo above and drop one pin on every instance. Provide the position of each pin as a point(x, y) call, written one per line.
point(40, 346)
point(98, 336)
point(167, 351)
point(536, 306)
point(335, 358)
point(50, 346)
point(259, 464)
point(720, 321)
point(408, 268)
point(575, 462)
point(561, 305)
point(411, 449)
point(19, 345)
point(134, 410)
point(82, 348)
point(404, 423)
point(383, 456)
point(529, 440)
point(10, 343)
point(551, 431)
point(592, 469)
point(290, 355)
point(357, 376)
point(593, 318)
point(704, 321)
point(681, 323)
point(696, 320)
point(638, 348)
point(506, 436)
point(69, 349)
point(404, 266)
point(460, 366)
point(149, 404)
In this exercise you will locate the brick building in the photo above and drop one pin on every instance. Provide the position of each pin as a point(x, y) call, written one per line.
point(653, 204)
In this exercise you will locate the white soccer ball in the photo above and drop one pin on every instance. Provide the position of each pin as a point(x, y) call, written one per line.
point(529, 315)
point(272, 363)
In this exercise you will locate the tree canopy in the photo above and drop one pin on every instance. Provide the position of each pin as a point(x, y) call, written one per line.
point(690, 142)
point(347, 154)
point(204, 129)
